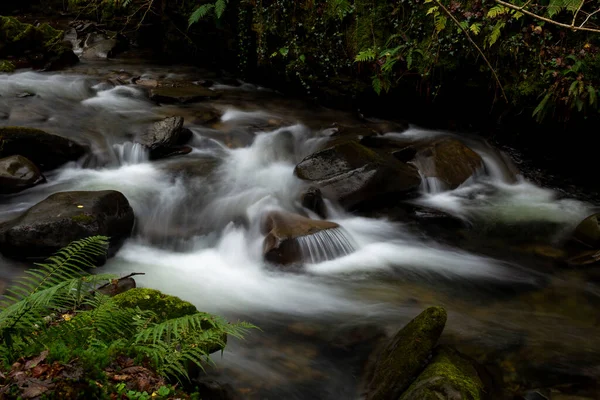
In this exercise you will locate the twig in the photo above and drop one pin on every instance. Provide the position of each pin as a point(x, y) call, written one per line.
point(550, 21)
point(477, 47)
point(120, 279)
point(588, 17)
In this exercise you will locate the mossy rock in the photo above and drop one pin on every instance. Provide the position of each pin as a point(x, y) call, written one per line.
point(6, 66)
point(449, 376)
point(44, 149)
point(163, 305)
point(406, 355)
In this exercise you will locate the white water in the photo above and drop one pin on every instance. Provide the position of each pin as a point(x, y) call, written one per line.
point(198, 235)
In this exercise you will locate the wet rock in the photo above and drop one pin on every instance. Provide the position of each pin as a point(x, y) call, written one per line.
point(193, 167)
point(312, 199)
point(45, 150)
point(214, 390)
point(165, 137)
point(118, 286)
point(64, 217)
point(101, 45)
point(18, 173)
point(448, 160)
point(281, 230)
point(583, 246)
point(356, 176)
point(182, 95)
point(405, 356)
point(207, 116)
point(448, 376)
point(151, 83)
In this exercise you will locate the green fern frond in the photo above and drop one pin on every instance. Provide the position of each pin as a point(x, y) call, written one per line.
point(220, 6)
point(200, 13)
point(366, 55)
point(540, 111)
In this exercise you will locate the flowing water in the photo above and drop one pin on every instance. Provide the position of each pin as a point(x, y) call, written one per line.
point(198, 236)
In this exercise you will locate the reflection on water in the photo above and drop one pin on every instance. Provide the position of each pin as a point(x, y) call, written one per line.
point(198, 237)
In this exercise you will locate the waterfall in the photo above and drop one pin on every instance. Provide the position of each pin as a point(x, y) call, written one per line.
point(325, 245)
point(131, 153)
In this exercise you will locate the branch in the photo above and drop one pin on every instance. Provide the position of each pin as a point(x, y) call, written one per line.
point(575, 28)
point(577, 12)
point(588, 17)
point(474, 45)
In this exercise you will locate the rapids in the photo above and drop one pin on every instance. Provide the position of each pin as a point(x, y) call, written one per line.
point(198, 236)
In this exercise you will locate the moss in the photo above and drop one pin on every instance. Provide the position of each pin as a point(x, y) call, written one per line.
point(165, 306)
point(83, 218)
point(446, 375)
point(6, 66)
point(406, 355)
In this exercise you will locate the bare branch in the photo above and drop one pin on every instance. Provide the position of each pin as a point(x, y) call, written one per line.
point(550, 21)
point(577, 12)
point(474, 45)
point(588, 17)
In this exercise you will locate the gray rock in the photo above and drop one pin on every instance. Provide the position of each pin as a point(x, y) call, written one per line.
point(64, 217)
point(165, 137)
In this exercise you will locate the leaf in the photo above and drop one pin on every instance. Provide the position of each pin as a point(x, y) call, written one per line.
point(440, 23)
point(284, 51)
point(432, 10)
point(496, 11)
point(592, 95)
point(475, 28)
point(365, 55)
point(200, 13)
point(220, 7)
point(540, 110)
point(376, 83)
point(495, 34)
point(302, 57)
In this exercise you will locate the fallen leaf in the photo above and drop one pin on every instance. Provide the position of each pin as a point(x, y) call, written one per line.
point(35, 387)
point(39, 370)
point(121, 378)
point(35, 361)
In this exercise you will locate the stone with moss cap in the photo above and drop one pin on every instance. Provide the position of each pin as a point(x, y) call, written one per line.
point(6, 66)
point(449, 376)
point(163, 305)
point(406, 355)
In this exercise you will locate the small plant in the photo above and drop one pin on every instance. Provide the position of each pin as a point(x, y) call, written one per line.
point(217, 9)
point(56, 311)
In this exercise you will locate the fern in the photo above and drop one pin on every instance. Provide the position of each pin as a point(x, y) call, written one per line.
point(496, 11)
point(495, 34)
point(540, 111)
point(220, 6)
point(31, 320)
point(201, 12)
point(366, 55)
point(475, 28)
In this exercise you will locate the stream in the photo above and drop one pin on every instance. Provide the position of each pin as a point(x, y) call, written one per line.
point(197, 236)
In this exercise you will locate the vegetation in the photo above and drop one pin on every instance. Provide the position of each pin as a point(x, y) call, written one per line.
point(56, 314)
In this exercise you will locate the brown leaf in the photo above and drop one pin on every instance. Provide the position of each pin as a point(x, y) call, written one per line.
point(136, 370)
point(39, 370)
point(36, 360)
point(121, 378)
point(35, 387)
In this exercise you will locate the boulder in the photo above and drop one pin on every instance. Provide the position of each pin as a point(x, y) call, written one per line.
point(44, 149)
point(64, 217)
point(18, 173)
point(165, 138)
point(312, 199)
point(282, 229)
point(583, 246)
point(405, 356)
point(449, 376)
point(163, 305)
point(356, 176)
point(447, 159)
point(6, 66)
point(182, 94)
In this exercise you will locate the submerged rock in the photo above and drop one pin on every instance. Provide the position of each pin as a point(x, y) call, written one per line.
point(355, 176)
point(44, 149)
point(282, 229)
point(312, 199)
point(583, 246)
point(448, 376)
point(64, 217)
point(165, 138)
point(405, 356)
point(182, 95)
point(18, 173)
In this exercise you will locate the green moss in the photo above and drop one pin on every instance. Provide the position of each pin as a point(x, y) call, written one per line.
point(447, 374)
point(83, 218)
point(6, 66)
point(165, 306)
point(406, 355)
